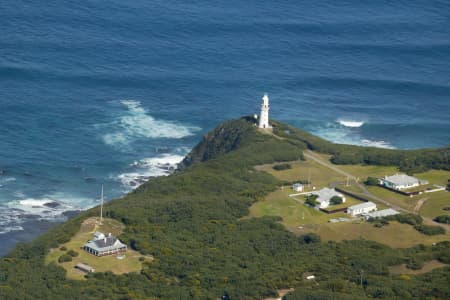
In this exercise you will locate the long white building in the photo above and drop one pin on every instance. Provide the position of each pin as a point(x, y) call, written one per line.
point(401, 182)
point(361, 208)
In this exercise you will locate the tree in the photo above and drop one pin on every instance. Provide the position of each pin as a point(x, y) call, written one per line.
point(311, 200)
point(336, 200)
point(72, 253)
point(445, 219)
point(371, 181)
point(64, 258)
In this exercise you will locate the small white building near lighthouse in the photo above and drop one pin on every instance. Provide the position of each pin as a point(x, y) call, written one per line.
point(264, 116)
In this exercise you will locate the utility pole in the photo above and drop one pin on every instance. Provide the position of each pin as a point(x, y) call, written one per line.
point(309, 177)
point(361, 277)
point(101, 208)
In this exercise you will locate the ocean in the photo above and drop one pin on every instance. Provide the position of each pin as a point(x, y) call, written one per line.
point(116, 92)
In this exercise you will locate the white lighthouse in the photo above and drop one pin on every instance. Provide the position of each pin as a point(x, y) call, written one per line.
point(264, 116)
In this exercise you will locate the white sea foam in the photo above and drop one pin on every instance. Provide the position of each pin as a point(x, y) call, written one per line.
point(144, 169)
point(34, 202)
point(7, 179)
point(344, 135)
point(350, 123)
point(136, 123)
point(378, 144)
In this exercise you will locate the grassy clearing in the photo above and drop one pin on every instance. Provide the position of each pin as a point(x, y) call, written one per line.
point(395, 234)
point(293, 211)
point(301, 219)
point(300, 170)
point(129, 264)
point(438, 177)
point(362, 171)
point(397, 199)
point(427, 267)
point(434, 205)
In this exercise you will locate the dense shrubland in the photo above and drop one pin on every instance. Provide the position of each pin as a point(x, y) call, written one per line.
point(193, 222)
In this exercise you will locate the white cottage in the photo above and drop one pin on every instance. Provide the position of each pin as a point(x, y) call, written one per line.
point(103, 245)
point(324, 196)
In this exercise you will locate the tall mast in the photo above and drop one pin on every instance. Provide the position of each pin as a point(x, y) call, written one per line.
point(101, 207)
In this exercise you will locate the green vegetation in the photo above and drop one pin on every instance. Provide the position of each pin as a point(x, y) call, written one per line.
point(72, 253)
point(371, 181)
point(130, 263)
point(311, 200)
point(444, 219)
point(281, 167)
point(410, 219)
point(410, 161)
point(429, 229)
point(427, 266)
point(195, 224)
point(335, 200)
point(65, 258)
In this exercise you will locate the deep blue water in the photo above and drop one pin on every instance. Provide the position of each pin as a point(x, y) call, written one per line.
point(96, 92)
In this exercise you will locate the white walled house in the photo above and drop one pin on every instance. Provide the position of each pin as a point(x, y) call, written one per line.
point(103, 245)
point(400, 182)
point(324, 196)
point(362, 208)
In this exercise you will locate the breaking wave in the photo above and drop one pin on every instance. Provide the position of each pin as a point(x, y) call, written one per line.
point(348, 135)
point(350, 123)
point(137, 123)
point(147, 168)
point(49, 208)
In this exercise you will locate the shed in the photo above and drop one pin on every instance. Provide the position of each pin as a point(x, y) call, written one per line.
point(85, 268)
point(298, 187)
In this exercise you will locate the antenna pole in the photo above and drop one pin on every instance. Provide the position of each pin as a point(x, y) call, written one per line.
point(101, 207)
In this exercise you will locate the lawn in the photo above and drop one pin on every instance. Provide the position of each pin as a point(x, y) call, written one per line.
point(321, 176)
point(111, 263)
point(434, 205)
point(293, 212)
point(406, 202)
point(363, 171)
point(301, 219)
point(395, 234)
point(439, 177)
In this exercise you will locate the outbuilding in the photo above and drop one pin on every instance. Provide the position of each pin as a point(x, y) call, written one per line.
point(381, 213)
point(84, 268)
point(298, 187)
point(361, 208)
